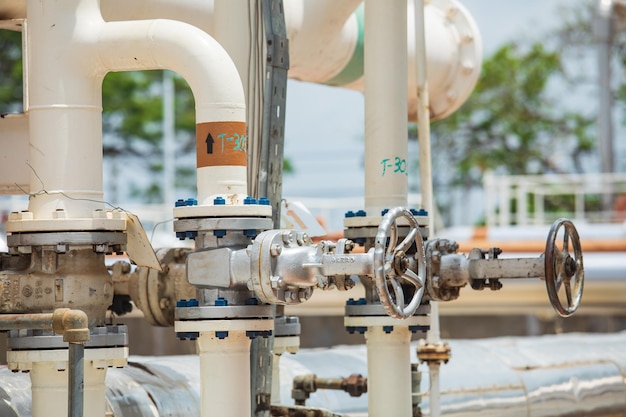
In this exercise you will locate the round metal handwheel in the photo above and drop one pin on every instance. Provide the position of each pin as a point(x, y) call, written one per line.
point(392, 264)
point(564, 268)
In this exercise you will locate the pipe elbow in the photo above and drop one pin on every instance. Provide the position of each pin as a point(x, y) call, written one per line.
point(72, 324)
point(180, 47)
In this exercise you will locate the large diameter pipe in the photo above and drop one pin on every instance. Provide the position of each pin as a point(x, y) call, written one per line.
point(71, 48)
point(214, 81)
point(228, 358)
point(386, 144)
point(388, 372)
point(326, 43)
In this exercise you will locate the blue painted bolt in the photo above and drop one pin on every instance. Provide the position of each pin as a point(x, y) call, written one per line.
point(181, 235)
point(415, 329)
point(251, 233)
point(221, 335)
point(219, 233)
point(361, 302)
point(350, 302)
point(264, 201)
point(387, 329)
point(361, 213)
point(191, 235)
point(181, 303)
point(350, 214)
point(191, 202)
point(253, 301)
point(192, 303)
point(219, 201)
point(249, 201)
point(385, 211)
point(252, 334)
point(179, 203)
point(187, 335)
point(221, 302)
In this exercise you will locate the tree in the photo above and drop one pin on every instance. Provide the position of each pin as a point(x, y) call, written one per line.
point(11, 92)
point(132, 129)
point(511, 123)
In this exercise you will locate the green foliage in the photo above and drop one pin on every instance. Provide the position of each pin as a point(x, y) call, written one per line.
point(11, 91)
point(132, 128)
point(511, 124)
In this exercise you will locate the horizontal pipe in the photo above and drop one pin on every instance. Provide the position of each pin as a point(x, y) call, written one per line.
point(35, 321)
point(72, 324)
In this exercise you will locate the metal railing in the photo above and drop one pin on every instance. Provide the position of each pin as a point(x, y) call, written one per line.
point(541, 199)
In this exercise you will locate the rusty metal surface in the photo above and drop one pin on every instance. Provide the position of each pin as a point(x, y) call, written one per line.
point(296, 411)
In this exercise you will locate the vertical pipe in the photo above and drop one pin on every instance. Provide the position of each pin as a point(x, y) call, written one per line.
point(169, 138)
point(388, 372)
point(65, 112)
point(423, 114)
point(76, 379)
point(604, 36)
point(225, 374)
point(426, 181)
point(386, 78)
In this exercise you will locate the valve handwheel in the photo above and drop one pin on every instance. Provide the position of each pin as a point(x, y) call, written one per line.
point(564, 267)
point(392, 264)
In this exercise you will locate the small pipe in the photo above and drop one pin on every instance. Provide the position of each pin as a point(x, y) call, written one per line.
point(73, 325)
point(40, 321)
point(76, 379)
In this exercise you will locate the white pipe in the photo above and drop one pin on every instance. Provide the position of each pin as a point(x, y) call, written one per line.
point(225, 374)
point(426, 178)
point(169, 138)
point(326, 43)
point(198, 13)
point(213, 79)
point(388, 372)
point(323, 35)
point(71, 48)
point(49, 390)
point(386, 145)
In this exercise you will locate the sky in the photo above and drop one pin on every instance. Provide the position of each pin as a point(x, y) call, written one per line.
point(325, 125)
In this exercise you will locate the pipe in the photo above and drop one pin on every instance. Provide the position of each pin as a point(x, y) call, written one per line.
point(323, 40)
point(76, 379)
point(73, 325)
point(603, 32)
point(426, 178)
point(386, 143)
point(36, 321)
point(225, 374)
point(214, 81)
point(326, 43)
point(68, 59)
point(388, 372)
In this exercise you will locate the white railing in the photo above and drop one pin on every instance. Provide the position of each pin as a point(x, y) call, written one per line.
point(507, 198)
